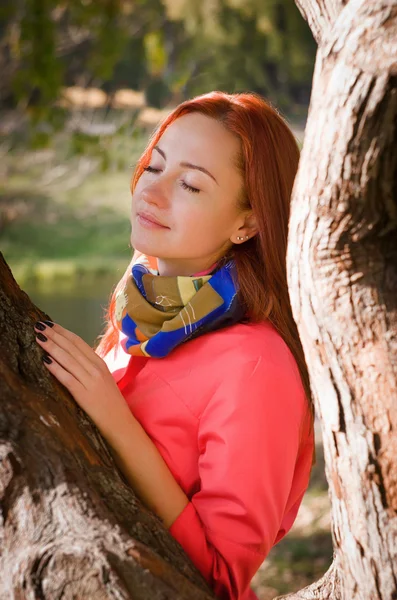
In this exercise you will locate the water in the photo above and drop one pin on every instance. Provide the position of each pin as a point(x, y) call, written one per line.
point(79, 309)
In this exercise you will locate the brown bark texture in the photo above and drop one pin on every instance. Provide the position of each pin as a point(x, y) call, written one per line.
point(342, 275)
point(70, 526)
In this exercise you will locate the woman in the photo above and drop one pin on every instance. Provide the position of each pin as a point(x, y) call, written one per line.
point(199, 383)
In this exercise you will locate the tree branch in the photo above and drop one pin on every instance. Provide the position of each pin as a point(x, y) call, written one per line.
point(69, 525)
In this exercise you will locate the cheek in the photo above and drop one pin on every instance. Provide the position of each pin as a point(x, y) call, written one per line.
point(133, 199)
point(193, 221)
point(200, 230)
point(205, 218)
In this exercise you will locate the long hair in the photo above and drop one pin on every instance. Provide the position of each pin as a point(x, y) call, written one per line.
point(268, 162)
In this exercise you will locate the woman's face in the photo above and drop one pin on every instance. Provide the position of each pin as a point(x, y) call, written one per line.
point(191, 188)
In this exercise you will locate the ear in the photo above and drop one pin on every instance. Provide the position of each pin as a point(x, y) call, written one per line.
point(246, 231)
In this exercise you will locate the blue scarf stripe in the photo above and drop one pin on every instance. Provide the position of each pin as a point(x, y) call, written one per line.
point(163, 342)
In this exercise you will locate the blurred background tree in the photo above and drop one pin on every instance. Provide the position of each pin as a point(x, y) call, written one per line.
point(170, 49)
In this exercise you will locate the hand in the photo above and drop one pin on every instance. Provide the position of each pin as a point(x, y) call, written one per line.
point(87, 377)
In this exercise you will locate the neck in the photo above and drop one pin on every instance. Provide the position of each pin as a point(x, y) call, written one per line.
point(182, 268)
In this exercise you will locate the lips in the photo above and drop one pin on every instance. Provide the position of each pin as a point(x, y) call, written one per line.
point(149, 217)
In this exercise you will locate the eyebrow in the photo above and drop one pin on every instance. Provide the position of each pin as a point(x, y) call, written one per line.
point(187, 164)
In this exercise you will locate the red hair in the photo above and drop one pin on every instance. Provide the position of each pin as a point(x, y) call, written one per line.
point(268, 161)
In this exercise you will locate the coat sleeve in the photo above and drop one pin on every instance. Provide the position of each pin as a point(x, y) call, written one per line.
point(254, 468)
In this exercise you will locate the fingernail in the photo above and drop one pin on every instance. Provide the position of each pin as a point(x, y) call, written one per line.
point(40, 325)
point(47, 359)
point(41, 337)
point(49, 323)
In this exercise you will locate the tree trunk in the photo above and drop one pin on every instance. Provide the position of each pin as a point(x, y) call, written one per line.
point(70, 526)
point(342, 274)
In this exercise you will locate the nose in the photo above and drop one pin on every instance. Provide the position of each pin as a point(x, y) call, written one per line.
point(156, 194)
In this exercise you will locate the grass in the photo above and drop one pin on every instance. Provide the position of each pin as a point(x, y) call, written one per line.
point(62, 215)
point(293, 564)
point(64, 230)
point(64, 239)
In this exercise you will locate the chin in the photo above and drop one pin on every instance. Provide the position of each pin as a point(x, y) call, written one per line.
point(146, 247)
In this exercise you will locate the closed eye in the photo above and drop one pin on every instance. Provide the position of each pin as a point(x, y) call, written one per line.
point(189, 188)
point(151, 169)
point(183, 184)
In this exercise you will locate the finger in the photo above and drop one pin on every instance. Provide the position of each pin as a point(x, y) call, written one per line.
point(64, 377)
point(73, 345)
point(68, 361)
point(84, 348)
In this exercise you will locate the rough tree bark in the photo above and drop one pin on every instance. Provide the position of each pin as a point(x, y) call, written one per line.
point(70, 526)
point(342, 274)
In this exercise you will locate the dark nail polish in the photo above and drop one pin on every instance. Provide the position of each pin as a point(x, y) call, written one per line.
point(40, 325)
point(47, 359)
point(49, 323)
point(41, 337)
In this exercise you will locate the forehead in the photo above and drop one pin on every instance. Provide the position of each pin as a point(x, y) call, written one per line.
point(197, 138)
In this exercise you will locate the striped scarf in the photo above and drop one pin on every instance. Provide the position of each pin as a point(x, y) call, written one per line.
point(158, 313)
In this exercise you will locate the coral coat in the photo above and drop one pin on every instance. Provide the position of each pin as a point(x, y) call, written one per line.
point(228, 413)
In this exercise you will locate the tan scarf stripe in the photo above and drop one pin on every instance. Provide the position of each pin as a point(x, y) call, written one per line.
point(149, 319)
point(205, 301)
point(160, 312)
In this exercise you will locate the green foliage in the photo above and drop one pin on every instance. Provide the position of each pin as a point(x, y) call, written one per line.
point(171, 49)
point(51, 43)
point(247, 45)
point(40, 74)
point(110, 39)
point(131, 69)
point(156, 56)
point(157, 92)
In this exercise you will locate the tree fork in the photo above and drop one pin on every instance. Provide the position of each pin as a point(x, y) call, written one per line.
point(70, 526)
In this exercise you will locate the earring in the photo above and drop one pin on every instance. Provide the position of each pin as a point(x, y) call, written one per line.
point(241, 238)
